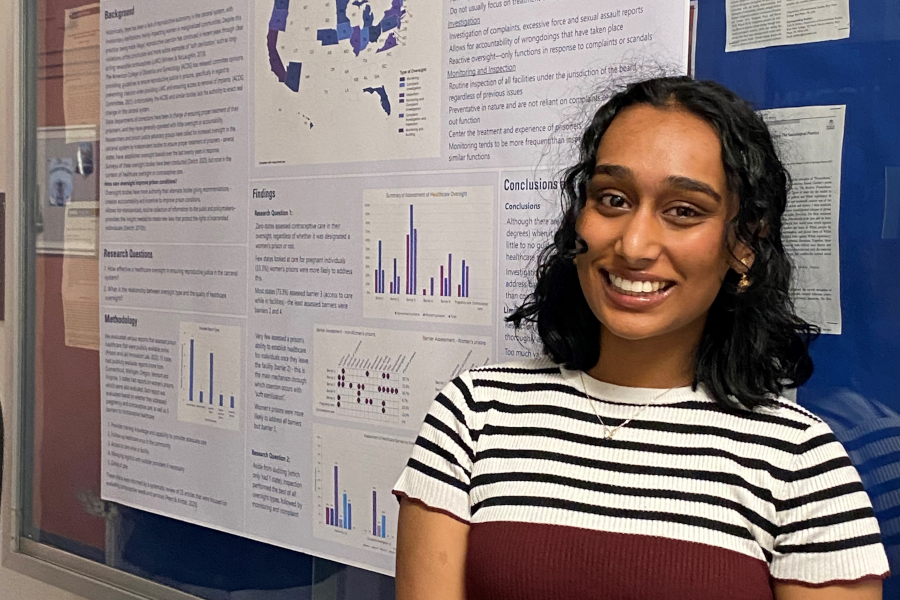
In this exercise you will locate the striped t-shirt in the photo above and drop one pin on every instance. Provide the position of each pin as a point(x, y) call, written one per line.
point(688, 500)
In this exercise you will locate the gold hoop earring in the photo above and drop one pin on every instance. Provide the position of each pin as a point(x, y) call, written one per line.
point(744, 283)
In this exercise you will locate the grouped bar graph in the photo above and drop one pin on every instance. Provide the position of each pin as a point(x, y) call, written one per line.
point(379, 520)
point(354, 468)
point(210, 374)
point(410, 279)
point(387, 377)
point(431, 250)
point(334, 516)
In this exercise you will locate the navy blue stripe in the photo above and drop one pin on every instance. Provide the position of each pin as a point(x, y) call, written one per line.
point(623, 513)
point(454, 410)
point(828, 494)
point(712, 406)
point(435, 474)
point(822, 468)
point(799, 410)
point(714, 476)
point(440, 426)
point(889, 513)
point(750, 463)
point(466, 393)
point(604, 488)
point(877, 462)
point(875, 436)
point(817, 547)
point(835, 519)
point(540, 371)
point(446, 455)
point(661, 426)
point(879, 489)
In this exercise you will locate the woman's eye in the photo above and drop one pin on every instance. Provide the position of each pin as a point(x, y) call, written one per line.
point(684, 212)
point(613, 201)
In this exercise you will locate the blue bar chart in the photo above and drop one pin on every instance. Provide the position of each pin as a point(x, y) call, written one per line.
point(428, 254)
point(354, 472)
point(210, 372)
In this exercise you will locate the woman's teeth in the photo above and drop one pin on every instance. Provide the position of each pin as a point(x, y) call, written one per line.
point(644, 287)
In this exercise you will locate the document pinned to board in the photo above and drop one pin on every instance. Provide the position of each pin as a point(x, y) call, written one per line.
point(81, 66)
point(752, 24)
point(811, 140)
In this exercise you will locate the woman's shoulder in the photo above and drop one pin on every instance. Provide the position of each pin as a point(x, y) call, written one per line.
point(787, 412)
point(538, 365)
point(509, 377)
point(787, 431)
point(519, 371)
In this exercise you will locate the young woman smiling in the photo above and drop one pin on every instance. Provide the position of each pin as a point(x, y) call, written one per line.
point(649, 454)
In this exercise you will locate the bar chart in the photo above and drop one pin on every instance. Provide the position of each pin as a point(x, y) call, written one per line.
point(387, 376)
point(334, 516)
point(210, 374)
point(411, 275)
point(428, 254)
point(379, 518)
point(354, 472)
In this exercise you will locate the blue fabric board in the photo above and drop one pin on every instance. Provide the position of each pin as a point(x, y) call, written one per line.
point(856, 385)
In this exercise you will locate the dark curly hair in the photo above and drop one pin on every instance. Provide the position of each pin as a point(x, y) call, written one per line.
point(753, 344)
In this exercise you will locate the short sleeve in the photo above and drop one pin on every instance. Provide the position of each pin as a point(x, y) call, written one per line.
point(827, 531)
point(439, 470)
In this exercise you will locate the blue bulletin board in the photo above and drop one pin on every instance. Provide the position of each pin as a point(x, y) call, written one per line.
point(857, 374)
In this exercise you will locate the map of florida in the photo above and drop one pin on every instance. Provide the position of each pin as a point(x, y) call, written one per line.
point(358, 36)
point(385, 103)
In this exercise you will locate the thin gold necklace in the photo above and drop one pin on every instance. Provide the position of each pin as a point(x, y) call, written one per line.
point(607, 432)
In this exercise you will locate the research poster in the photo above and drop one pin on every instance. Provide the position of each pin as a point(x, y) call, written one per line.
point(312, 216)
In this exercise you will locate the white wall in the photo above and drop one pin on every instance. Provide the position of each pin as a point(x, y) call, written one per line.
point(13, 586)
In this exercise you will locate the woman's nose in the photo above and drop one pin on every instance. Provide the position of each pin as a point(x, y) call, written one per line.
point(640, 239)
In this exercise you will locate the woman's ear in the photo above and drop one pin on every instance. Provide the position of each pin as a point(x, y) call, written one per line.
point(742, 260)
point(740, 256)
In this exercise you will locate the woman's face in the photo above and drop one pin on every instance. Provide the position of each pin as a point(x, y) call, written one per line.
point(655, 224)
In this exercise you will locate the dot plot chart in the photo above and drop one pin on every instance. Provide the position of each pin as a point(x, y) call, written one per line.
point(357, 379)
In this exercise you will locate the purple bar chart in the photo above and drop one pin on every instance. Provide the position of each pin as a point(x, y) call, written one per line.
point(429, 254)
point(210, 372)
point(339, 514)
point(354, 474)
point(410, 279)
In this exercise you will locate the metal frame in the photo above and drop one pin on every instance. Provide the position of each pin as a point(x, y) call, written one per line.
point(17, 552)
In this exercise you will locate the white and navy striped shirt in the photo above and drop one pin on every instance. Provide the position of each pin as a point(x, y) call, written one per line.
point(771, 493)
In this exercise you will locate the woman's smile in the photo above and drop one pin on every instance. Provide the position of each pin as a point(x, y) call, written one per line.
point(636, 292)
